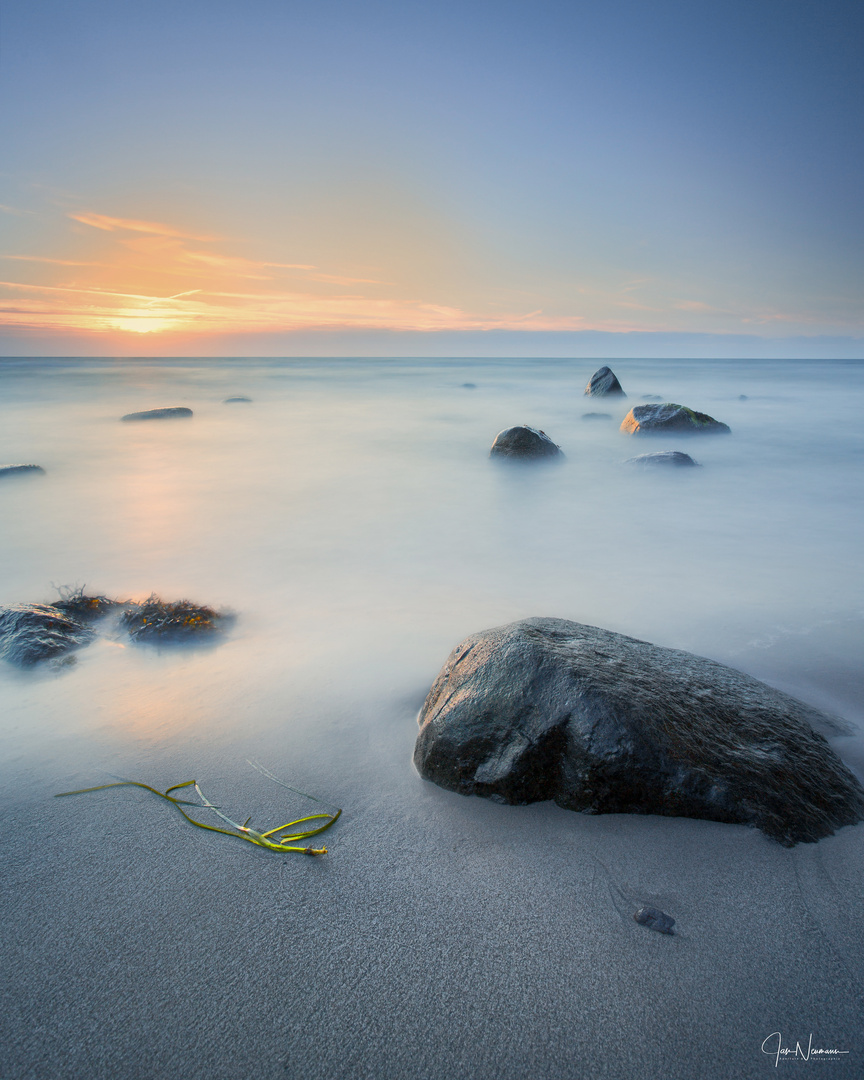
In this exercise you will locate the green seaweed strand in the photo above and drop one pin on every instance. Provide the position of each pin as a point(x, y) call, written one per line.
point(243, 831)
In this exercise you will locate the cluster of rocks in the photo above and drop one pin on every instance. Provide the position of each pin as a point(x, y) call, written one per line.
point(603, 723)
point(666, 418)
point(31, 633)
point(168, 412)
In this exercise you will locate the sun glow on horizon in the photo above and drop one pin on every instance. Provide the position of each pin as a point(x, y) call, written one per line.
point(119, 289)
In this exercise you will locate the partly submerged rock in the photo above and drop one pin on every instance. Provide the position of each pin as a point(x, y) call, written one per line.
point(19, 470)
point(674, 458)
point(603, 723)
point(603, 383)
point(237, 401)
point(668, 417)
point(159, 414)
point(596, 416)
point(655, 919)
point(78, 605)
point(33, 632)
point(157, 620)
point(524, 442)
point(469, 386)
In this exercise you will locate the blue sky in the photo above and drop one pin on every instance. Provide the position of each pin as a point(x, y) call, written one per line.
point(178, 177)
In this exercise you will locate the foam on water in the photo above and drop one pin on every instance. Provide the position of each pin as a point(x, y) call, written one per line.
point(351, 518)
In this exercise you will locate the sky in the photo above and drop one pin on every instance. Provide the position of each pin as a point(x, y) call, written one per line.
point(308, 177)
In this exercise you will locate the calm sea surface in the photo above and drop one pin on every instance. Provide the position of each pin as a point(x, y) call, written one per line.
point(350, 517)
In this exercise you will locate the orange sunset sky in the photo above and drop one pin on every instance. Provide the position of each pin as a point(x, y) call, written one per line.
point(222, 181)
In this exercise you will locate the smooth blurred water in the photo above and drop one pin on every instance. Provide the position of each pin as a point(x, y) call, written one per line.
point(351, 518)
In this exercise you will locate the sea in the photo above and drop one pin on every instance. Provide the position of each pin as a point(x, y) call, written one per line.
point(350, 519)
point(349, 516)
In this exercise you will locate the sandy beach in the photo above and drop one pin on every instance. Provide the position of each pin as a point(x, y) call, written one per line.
point(440, 937)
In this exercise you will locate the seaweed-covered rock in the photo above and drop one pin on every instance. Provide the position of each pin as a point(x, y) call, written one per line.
point(78, 605)
point(669, 458)
point(525, 443)
point(157, 620)
point(603, 723)
point(603, 383)
point(670, 418)
point(19, 470)
point(33, 632)
point(171, 413)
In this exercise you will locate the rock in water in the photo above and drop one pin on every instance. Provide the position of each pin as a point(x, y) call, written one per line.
point(159, 414)
point(18, 470)
point(603, 723)
point(33, 632)
point(604, 384)
point(596, 416)
point(237, 401)
point(655, 919)
point(672, 458)
point(155, 620)
point(668, 417)
point(77, 605)
point(524, 442)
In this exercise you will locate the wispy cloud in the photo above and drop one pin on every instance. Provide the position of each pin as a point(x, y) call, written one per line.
point(52, 262)
point(154, 228)
point(16, 212)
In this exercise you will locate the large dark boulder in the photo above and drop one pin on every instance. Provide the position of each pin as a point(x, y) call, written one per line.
point(669, 418)
point(525, 443)
point(667, 458)
point(602, 723)
point(174, 412)
point(33, 632)
point(19, 470)
point(603, 383)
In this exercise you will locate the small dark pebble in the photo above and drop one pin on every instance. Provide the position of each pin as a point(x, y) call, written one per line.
point(171, 413)
point(236, 400)
point(596, 416)
point(655, 919)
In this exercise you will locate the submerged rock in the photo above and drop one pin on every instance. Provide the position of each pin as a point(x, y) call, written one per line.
point(524, 442)
point(157, 620)
point(159, 414)
point(655, 919)
point(603, 383)
point(19, 470)
point(33, 632)
point(596, 416)
point(469, 386)
point(237, 401)
point(603, 723)
point(673, 458)
point(668, 417)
